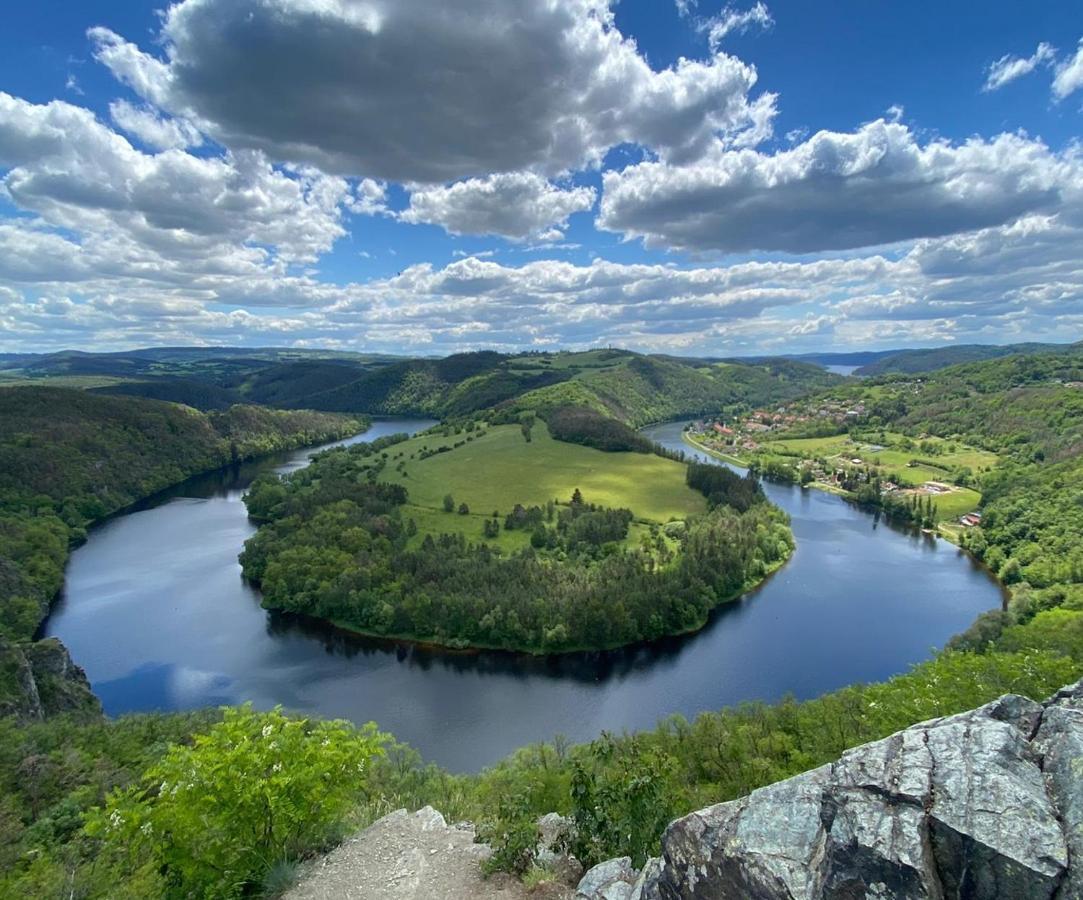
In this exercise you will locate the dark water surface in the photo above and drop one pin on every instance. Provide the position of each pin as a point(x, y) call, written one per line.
point(156, 612)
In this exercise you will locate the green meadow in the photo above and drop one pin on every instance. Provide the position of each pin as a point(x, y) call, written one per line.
point(496, 471)
point(910, 466)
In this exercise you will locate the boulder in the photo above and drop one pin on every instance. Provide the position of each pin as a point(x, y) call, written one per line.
point(986, 804)
point(613, 879)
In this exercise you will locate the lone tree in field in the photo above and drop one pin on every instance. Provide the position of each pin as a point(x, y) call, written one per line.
point(449, 503)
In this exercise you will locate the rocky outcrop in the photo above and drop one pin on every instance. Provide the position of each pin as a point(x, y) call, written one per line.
point(39, 679)
point(986, 804)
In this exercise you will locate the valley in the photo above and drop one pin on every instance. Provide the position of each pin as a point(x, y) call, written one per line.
point(155, 610)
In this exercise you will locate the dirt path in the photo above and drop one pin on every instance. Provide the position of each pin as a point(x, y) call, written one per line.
point(410, 856)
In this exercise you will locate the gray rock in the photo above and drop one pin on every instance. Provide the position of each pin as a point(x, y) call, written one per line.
point(610, 880)
point(44, 682)
point(646, 886)
point(554, 830)
point(956, 807)
point(1060, 741)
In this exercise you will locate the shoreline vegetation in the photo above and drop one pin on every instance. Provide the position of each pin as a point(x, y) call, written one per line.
point(86, 806)
point(541, 574)
point(70, 459)
point(477, 649)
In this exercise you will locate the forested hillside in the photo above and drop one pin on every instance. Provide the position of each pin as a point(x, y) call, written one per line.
point(633, 388)
point(68, 458)
point(912, 362)
point(1023, 405)
point(643, 389)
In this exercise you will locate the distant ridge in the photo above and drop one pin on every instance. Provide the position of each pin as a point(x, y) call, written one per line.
point(931, 359)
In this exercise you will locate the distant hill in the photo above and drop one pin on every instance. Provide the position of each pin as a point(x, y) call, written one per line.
point(631, 387)
point(856, 358)
point(197, 394)
point(912, 362)
point(642, 389)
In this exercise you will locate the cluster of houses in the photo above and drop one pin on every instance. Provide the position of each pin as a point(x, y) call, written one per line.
point(741, 434)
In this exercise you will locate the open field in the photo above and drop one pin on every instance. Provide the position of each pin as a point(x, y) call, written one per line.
point(908, 467)
point(888, 453)
point(81, 382)
point(436, 521)
point(501, 469)
point(959, 502)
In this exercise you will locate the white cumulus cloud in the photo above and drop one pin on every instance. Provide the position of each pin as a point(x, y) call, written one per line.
point(515, 205)
point(153, 129)
point(78, 174)
point(1069, 77)
point(415, 91)
point(837, 191)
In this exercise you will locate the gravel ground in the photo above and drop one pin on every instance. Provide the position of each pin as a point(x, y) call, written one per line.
point(411, 856)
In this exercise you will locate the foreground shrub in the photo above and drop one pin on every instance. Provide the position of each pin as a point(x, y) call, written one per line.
point(621, 800)
point(257, 789)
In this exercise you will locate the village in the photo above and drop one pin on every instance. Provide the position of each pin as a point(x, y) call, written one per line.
point(819, 445)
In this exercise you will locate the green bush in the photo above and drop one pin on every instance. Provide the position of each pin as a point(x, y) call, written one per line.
point(256, 789)
point(621, 800)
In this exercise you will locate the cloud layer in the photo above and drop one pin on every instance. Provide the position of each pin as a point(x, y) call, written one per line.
point(411, 91)
point(836, 192)
point(238, 192)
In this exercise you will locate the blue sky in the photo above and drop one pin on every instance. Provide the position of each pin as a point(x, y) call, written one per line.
point(674, 176)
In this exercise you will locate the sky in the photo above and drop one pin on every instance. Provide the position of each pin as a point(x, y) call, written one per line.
point(680, 176)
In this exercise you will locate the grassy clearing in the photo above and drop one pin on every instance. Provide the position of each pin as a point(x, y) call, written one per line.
point(80, 382)
point(957, 503)
point(436, 521)
point(501, 469)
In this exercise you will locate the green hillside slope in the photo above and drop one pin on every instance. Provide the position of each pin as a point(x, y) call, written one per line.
point(68, 458)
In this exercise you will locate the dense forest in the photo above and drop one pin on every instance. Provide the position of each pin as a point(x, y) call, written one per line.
point(586, 426)
point(69, 458)
point(336, 545)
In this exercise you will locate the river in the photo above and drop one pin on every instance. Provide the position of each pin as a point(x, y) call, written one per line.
point(155, 609)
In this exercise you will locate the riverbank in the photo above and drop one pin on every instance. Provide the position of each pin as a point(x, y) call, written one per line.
point(70, 463)
point(69, 460)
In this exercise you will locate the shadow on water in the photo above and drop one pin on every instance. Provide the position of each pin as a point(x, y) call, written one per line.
point(594, 667)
